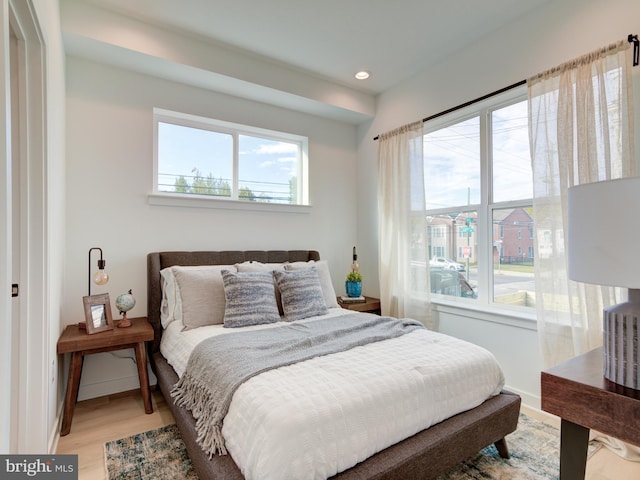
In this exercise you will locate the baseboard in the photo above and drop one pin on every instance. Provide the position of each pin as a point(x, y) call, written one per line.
point(531, 407)
point(54, 437)
point(528, 399)
point(88, 391)
point(101, 389)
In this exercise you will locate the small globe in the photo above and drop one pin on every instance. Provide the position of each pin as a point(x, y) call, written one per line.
point(125, 302)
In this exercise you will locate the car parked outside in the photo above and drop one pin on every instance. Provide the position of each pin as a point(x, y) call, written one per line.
point(450, 282)
point(446, 263)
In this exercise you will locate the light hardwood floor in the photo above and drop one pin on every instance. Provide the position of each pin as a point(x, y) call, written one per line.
point(103, 419)
point(100, 420)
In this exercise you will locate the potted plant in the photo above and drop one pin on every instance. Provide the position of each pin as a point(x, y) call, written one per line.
point(353, 285)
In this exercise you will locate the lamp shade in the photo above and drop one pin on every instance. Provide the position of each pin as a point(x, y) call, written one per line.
point(604, 233)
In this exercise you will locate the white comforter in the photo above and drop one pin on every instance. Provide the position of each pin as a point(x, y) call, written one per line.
point(316, 418)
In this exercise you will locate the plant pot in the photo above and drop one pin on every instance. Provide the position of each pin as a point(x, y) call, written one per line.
point(354, 289)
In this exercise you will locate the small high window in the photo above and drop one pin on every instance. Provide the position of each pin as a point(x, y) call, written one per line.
point(197, 156)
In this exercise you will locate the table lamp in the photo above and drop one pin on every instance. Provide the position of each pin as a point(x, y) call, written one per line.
point(603, 239)
point(101, 277)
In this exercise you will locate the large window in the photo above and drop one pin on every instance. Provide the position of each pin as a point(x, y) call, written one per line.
point(221, 160)
point(479, 188)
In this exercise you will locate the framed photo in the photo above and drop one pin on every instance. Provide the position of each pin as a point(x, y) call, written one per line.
point(97, 312)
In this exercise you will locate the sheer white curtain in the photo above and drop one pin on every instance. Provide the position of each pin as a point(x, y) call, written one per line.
point(581, 131)
point(580, 120)
point(402, 234)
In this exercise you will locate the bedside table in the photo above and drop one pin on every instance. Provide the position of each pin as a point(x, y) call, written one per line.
point(577, 392)
point(370, 305)
point(77, 342)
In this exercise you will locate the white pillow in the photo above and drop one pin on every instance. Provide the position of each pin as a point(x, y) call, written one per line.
point(259, 267)
point(195, 296)
point(322, 267)
point(171, 306)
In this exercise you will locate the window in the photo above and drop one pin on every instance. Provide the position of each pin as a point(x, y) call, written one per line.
point(196, 156)
point(479, 189)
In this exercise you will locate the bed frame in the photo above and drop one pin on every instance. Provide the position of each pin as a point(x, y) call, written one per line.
point(422, 456)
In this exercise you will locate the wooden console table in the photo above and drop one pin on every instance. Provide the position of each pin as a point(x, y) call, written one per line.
point(578, 393)
point(77, 342)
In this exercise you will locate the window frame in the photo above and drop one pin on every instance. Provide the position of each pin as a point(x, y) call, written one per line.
point(158, 197)
point(485, 209)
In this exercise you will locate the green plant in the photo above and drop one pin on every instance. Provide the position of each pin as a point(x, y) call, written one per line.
point(354, 277)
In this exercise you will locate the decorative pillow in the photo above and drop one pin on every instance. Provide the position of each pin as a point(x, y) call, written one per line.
point(264, 267)
point(201, 292)
point(322, 267)
point(170, 298)
point(259, 267)
point(250, 299)
point(301, 293)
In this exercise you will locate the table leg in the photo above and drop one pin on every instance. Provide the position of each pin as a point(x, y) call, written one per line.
point(574, 443)
point(73, 383)
point(143, 376)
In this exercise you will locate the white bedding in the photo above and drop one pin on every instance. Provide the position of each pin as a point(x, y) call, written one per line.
point(316, 418)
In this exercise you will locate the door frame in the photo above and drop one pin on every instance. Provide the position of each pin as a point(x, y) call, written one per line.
point(24, 343)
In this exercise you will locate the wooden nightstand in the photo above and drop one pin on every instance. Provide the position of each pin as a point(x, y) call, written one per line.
point(370, 305)
point(77, 342)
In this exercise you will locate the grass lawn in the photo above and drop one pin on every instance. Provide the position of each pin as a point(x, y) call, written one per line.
point(513, 267)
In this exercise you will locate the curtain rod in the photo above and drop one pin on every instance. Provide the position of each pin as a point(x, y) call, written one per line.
point(636, 48)
point(470, 102)
point(636, 60)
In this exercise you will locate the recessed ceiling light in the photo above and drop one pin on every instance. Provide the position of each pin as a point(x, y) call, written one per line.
point(363, 75)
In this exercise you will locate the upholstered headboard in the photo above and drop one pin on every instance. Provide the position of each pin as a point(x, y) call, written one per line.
point(156, 261)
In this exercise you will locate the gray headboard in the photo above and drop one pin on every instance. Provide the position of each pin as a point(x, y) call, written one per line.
point(156, 261)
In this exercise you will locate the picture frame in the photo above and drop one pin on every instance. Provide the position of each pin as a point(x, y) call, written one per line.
point(97, 313)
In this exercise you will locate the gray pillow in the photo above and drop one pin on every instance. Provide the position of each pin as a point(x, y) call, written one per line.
point(301, 293)
point(250, 299)
point(322, 267)
point(263, 267)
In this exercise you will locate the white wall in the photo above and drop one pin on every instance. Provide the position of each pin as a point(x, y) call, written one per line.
point(548, 36)
point(48, 15)
point(109, 174)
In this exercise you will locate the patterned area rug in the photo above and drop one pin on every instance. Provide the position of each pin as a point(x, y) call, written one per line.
point(535, 455)
point(153, 455)
point(160, 454)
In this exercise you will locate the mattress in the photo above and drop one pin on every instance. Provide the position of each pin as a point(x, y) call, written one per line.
point(319, 417)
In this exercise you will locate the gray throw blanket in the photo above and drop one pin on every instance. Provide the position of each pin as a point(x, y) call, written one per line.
point(219, 365)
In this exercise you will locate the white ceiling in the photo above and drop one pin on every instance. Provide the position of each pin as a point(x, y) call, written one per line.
point(332, 39)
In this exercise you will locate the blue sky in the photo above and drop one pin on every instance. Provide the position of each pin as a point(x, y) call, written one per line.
point(452, 166)
point(265, 165)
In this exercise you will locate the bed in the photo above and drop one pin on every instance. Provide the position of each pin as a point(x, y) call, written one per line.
point(422, 455)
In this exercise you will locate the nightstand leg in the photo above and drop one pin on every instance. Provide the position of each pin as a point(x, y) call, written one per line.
point(574, 443)
point(143, 376)
point(73, 384)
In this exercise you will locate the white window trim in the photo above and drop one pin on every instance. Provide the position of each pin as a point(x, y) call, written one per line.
point(495, 313)
point(203, 201)
point(157, 197)
point(498, 313)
